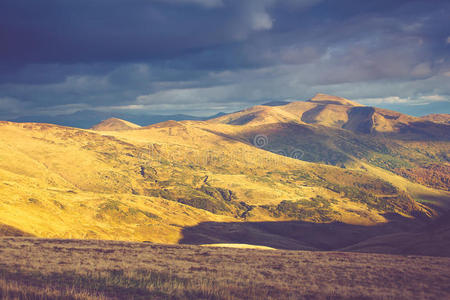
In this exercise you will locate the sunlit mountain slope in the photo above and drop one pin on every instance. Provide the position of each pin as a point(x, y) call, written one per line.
point(115, 124)
point(263, 164)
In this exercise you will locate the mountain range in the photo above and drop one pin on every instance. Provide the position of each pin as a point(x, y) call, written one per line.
point(322, 174)
point(88, 118)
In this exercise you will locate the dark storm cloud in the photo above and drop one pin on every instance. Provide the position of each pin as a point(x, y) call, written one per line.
point(118, 30)
point(208, 55)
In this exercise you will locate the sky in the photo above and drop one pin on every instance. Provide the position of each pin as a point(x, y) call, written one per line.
point(200, 57)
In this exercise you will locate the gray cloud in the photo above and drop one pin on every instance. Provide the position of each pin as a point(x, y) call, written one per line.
point(201, 56)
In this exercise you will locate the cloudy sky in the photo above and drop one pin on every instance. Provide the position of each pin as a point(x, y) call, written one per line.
point(204, 56)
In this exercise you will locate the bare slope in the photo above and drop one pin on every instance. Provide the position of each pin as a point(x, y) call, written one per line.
point(113, 124)
point(329, 99)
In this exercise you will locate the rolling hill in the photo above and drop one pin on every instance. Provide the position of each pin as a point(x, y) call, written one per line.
point(88, 118)
point(113, 124)
point(345, 132)
point(288, 176)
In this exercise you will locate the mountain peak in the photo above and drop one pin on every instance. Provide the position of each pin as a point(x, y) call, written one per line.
point(114, 124)
point(330, 99)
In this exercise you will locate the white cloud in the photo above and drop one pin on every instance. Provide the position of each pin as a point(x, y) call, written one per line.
point(261, 21)
point(258, 15)
point(434, 98)
point(389, 100)
point(422, 100)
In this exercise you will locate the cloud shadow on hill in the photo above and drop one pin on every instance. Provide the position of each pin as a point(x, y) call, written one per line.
point(295, 235)
point(7, 230)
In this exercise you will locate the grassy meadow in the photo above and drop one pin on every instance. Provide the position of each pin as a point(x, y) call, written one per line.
point(32, 268)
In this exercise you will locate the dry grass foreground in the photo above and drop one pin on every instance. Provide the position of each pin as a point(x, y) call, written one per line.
point(33, 268)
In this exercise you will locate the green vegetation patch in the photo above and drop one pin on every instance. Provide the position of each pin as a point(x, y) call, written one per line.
point(132, 211)
point(359, 195)
point(213, 199)
point(116, 209)
point(110, 205)
point(317, 209)
point(206, 203)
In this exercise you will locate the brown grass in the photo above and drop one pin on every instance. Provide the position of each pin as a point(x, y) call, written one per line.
point(85, 269)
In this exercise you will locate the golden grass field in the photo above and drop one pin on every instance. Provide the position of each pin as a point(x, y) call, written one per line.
point(32, 268)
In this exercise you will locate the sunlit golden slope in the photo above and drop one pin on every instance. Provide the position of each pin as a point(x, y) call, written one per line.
point(150, 183)
point(114, 124)
point(337, 112)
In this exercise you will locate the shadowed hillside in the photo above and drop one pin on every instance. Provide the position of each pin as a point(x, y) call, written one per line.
point(6, 230)
point(296, 235)
point(433, 239)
